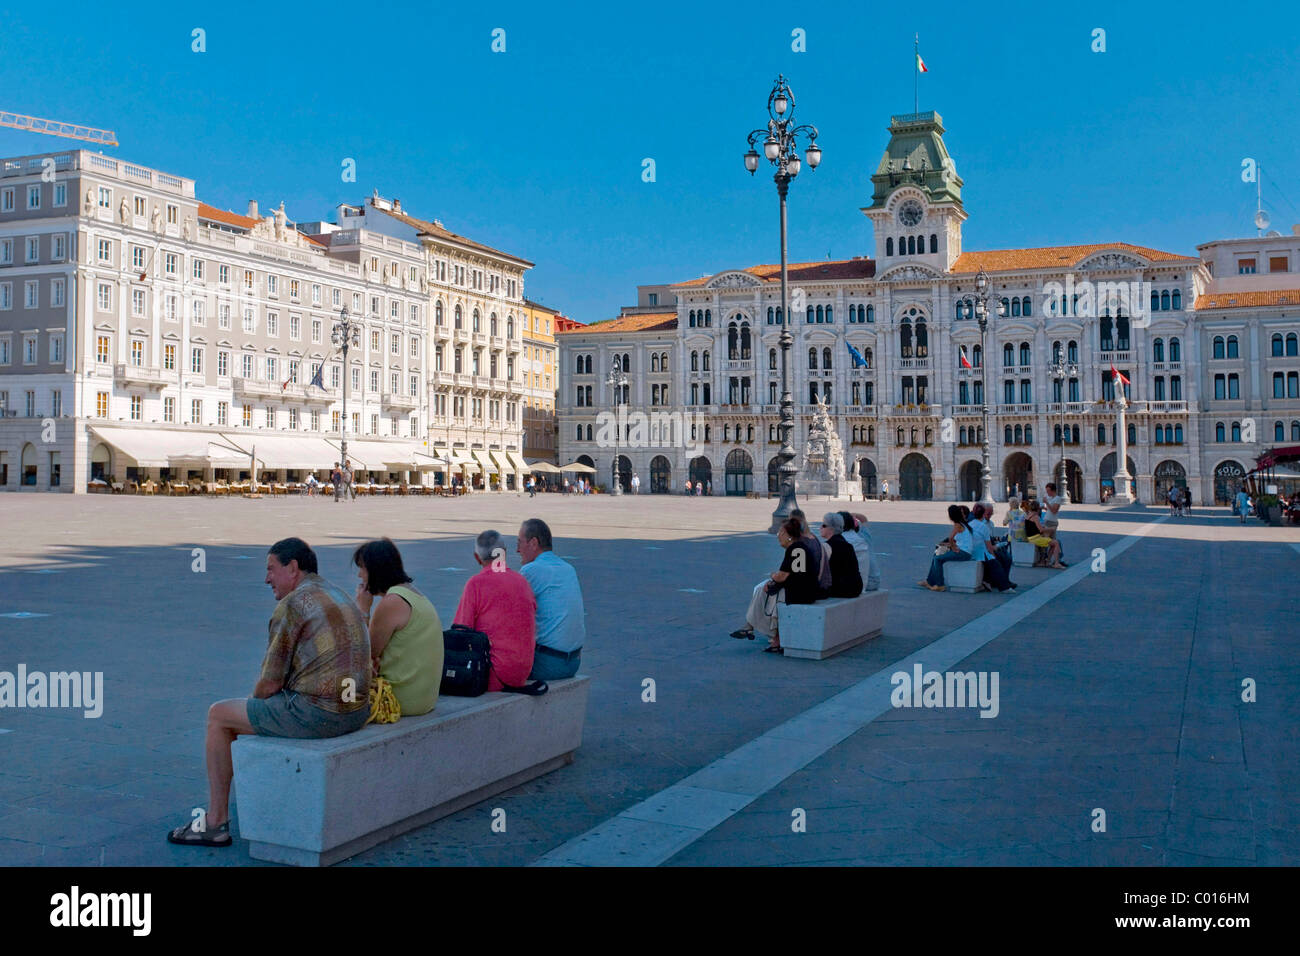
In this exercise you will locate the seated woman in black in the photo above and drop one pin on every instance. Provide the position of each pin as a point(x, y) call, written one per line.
point(797, 578)
point(846, 576)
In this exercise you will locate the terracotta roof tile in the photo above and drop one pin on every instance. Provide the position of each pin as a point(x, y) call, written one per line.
point(441, 232)
point(829, 269)
point(1047, 257)
point(1248, 300)
point(645, 322)
point(226, 216)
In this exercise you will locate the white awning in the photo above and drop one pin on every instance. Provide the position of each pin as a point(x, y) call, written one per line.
point(217, 456)
point(521, 466)
point(278, 450)
point(484, 462)
point(544, 467)
point(370, 455)
point(428, 463)
point(156, 447)
point(504, 467)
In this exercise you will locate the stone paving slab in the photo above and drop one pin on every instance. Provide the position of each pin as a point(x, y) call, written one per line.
point(1120, 702)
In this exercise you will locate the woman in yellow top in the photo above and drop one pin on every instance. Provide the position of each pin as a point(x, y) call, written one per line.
point(405, 631)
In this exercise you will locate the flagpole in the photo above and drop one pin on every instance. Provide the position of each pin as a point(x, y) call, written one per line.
point(916, 73)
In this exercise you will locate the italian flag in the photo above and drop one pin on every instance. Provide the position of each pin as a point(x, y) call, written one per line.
point(920, 65)
point(965, 362)
point(1117, 375)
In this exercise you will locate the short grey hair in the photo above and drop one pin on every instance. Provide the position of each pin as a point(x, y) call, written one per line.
point(833, 520)
point(487, 544)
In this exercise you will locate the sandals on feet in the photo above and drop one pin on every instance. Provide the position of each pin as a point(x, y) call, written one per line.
point(773, 649)
point(186, 835)
point(742, 633)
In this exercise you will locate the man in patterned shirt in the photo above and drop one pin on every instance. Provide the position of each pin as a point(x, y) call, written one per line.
point(315, 680)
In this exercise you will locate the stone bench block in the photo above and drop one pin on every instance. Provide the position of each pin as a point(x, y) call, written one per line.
point(315, 802)
point(817, 631)
point(1022, 554)
point(963, 576)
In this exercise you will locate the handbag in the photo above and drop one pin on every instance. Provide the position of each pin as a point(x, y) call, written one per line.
point(467, 662)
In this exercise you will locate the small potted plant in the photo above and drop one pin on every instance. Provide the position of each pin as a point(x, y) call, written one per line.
point(1269, 509)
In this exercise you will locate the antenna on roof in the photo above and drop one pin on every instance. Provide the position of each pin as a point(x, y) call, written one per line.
point(1262, 219)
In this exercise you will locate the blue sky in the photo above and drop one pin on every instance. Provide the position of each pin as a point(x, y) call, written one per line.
point(538, 150)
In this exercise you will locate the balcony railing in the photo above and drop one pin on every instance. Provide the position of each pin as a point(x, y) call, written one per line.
point(254, 387)
point(139, 375)
point(398, 400)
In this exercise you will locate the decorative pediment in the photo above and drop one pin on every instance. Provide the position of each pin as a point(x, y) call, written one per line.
point(1104, 261)
point(912, 272)
point(733, 280)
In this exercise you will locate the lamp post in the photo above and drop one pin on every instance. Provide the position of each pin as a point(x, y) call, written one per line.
point(982, 295)
point(345, 334)
point(781, 147)
point(1060, 370)
point(616, 380)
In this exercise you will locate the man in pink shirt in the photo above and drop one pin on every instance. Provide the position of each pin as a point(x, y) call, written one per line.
point(499, 602)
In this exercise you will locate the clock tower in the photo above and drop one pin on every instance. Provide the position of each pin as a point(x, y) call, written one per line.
point(916, 210)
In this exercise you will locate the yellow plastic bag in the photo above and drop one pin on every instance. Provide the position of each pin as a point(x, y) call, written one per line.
point(384, 708)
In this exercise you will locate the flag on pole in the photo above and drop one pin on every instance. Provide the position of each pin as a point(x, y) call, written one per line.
point(920, 65)
point(284, 386)
point(319, 378)
point(965, 362)
point(1117, 375)
point(858, 360)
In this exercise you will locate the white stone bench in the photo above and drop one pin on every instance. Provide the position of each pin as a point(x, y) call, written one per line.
point(315, 802)
point(963, 576)
point(820, 630)
point(1022, 554)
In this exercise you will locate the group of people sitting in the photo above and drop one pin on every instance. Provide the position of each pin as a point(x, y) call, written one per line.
point(839, 563)
point(974, 538)
point(327, 649)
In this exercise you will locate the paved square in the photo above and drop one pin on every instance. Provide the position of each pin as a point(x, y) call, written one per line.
point(1120, 691)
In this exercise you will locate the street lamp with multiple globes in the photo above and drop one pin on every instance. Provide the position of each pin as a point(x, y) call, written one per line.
point(781, 148)
point(346, 334)
point(617, 380)
point(1061, 370)
point(981, 299)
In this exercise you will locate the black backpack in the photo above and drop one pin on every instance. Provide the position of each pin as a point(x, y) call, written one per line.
point(467, 662)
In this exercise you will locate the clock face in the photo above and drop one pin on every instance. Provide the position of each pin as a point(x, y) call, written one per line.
point(910, 212)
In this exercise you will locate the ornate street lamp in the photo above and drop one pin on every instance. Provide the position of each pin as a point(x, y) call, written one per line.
point(617, 380)
point(1060, 370)
point(346, 334)
point(780, 140)
point(982, 295)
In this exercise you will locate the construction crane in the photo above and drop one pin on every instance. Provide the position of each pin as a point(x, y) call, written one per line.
point(34, 124)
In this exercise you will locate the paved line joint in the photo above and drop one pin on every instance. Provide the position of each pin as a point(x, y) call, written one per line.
point(661, 826)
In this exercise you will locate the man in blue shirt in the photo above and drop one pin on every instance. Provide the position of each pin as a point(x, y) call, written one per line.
point(561, 618)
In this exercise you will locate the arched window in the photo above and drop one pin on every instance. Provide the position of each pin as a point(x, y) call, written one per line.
point(749, 432)
point(1292, 343)
point(1029, 434)
point(1219, 432)
point(957, 310)
point(492, 324)
point(627, 362)
point(1056, 434)
point(812, 358)
point(654, 363)
point(866, 354)
point(1015, 306)
point(1164, 301)
point(510, 326)
point(1107, 333)
point(889, 251)
point(934, 242)
point(663, 361)
point(588, 433)
point(900, 436)
point(437, 313)
point(1155, 301)
point(1024, 353)
point(771, 358)
point(588, 364)
point(1122, 325)
point(478, 321)
point(1020, 435)
point(977, 357)
point(1158, 350)
point(1160, 434)
point(704, 363)
point(830, 314)
point(695, 361)
point(1101, 434)
point(744, 341)
point(708, 318)
point(1006, 435)
point(1178, 434)
point(961, 435)
point(1217, 347)
point(871, 313)
point(771, 315)
point(1236, 431)
point(905, 339)
point(1008, 355)
point(1006, 306)
point(1132, 434)
point(911, 245)
point(1233, 350)
point(732, 337)
point(808, 319)
point(1175, 350)
point(578, 436)
point(1276, 342)
point(1026, 306)
point(1295, 431)
point(826, 358)
point(1279, 432)
point(1178, 300)
point(1072, 352)
point(458, 318)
